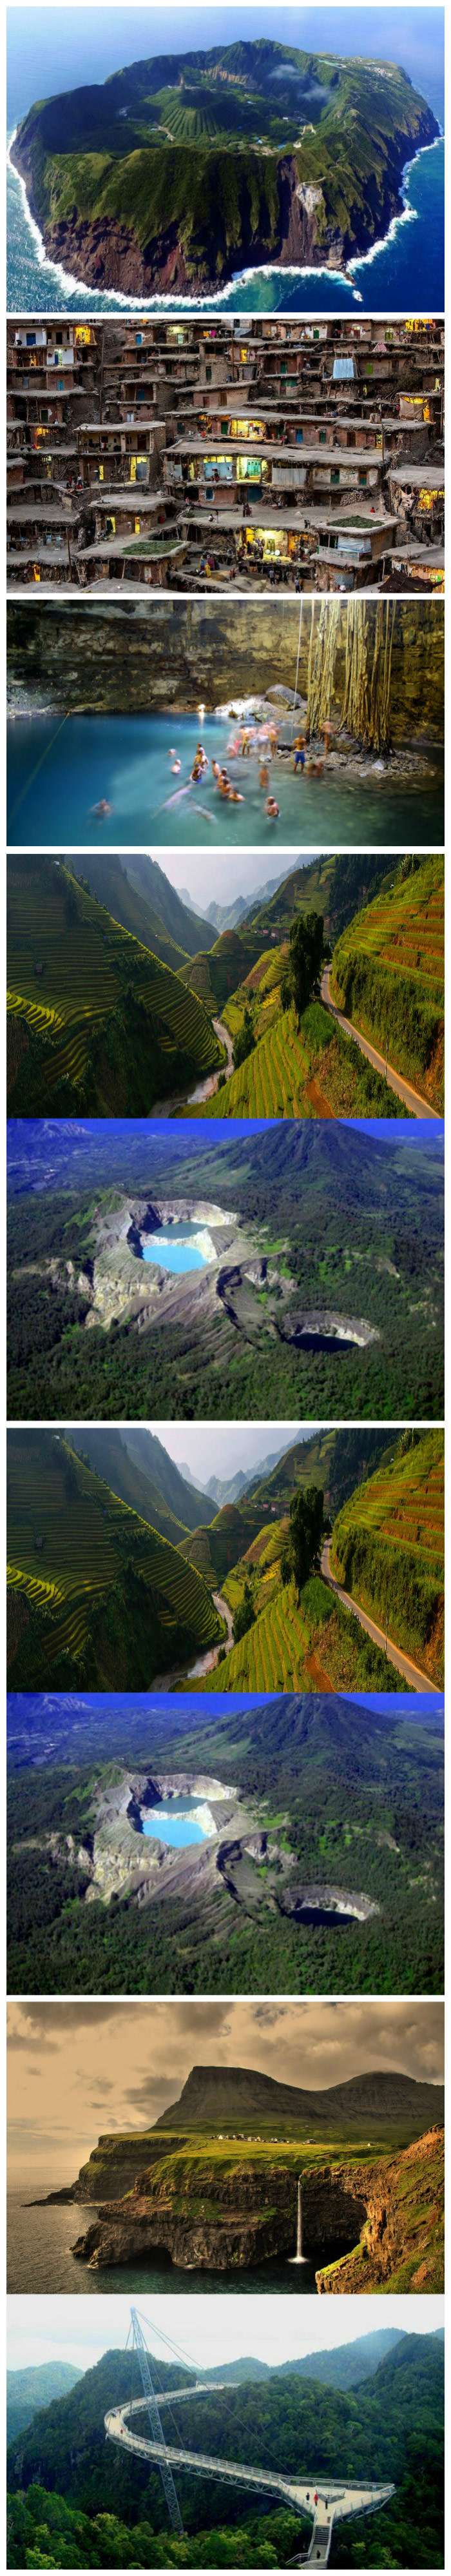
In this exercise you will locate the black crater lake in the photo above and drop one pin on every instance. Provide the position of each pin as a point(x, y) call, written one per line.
point(314, 1916)
point(331, 1342)
point(183, 1821)
point(40, 2260)
point(184, 1247)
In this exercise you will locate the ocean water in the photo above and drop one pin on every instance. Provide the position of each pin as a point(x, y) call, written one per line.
point(59, 769)
point(176, 1825)
point(404, 275)
point(40, 2260)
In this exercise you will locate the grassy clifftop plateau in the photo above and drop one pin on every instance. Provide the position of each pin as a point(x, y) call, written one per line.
point(178, 168)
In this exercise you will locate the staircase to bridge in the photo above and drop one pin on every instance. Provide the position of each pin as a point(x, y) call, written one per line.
point(328, 2501)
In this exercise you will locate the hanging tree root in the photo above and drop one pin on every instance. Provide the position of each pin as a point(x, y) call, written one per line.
point(368, 646)
point(366, 699)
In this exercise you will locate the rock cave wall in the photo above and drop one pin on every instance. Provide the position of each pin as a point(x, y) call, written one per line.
point(146, 657)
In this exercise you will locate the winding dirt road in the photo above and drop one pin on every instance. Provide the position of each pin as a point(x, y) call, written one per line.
point(417, 1680)
point(419, 1108)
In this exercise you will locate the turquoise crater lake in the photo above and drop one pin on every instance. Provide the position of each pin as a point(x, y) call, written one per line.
point(178, 1824)
point(179, 1250)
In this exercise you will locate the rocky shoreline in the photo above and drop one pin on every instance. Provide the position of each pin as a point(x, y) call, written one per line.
point(106, 253)
point(376, 2215)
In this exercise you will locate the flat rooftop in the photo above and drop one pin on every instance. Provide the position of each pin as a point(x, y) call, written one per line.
point(300, 525)
point(105, 428)
point(356, 458)
point(427, 478)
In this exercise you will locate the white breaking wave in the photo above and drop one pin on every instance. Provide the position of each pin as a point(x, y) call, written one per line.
point(409, 214)
point(110, 298)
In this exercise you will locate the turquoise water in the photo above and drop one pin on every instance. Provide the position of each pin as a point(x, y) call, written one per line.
point(59, 770)
point(176, 1825)
point(174, 1251)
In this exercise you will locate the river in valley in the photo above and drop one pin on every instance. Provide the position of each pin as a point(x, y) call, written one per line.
point(206, 1663)
point(203, 1090)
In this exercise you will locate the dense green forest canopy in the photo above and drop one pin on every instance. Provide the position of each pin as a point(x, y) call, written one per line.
point(344, 1224)
point(212, 136)
point(389, 2429)
point(347, 1799)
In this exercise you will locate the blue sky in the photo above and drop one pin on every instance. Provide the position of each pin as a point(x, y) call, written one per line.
point(161, 1704)
point(53, 48)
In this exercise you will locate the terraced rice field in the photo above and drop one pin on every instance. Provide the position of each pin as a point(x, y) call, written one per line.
point(216, 975)
point(265, 1550)
point(89, 1536)
point(388, 1550)
point(217, 1550)
point(388, 974)
point(404, 1504)
point(273, 1654)
point(89, 963)
point(272, 1082)
point(405, 927)
point(265, 976)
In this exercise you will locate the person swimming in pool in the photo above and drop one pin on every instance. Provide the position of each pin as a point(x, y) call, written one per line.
point(271, 809)
point(99, 810)
point(200, 762)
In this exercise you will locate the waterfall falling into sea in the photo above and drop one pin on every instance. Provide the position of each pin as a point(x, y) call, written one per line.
point(298, 2257)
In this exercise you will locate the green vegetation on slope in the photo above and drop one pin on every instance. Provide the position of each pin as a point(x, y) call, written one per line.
point(138, 893)
point(136, 1467)
point(344, 1226)
point(104, 1599)
point(95, 1023)
point(339, 1796)
point(335, 886)
point(170, 137)
point(215, 974)
point(388, 973)
point(414, 2184)
point(75, 2501)
point(387, 1547)
point(334, 1459)
point(310, 1071)
point(297, 1644)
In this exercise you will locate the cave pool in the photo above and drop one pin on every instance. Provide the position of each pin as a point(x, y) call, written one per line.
point(58, 770)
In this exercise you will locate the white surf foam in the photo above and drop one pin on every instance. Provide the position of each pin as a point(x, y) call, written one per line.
point(110, 298)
